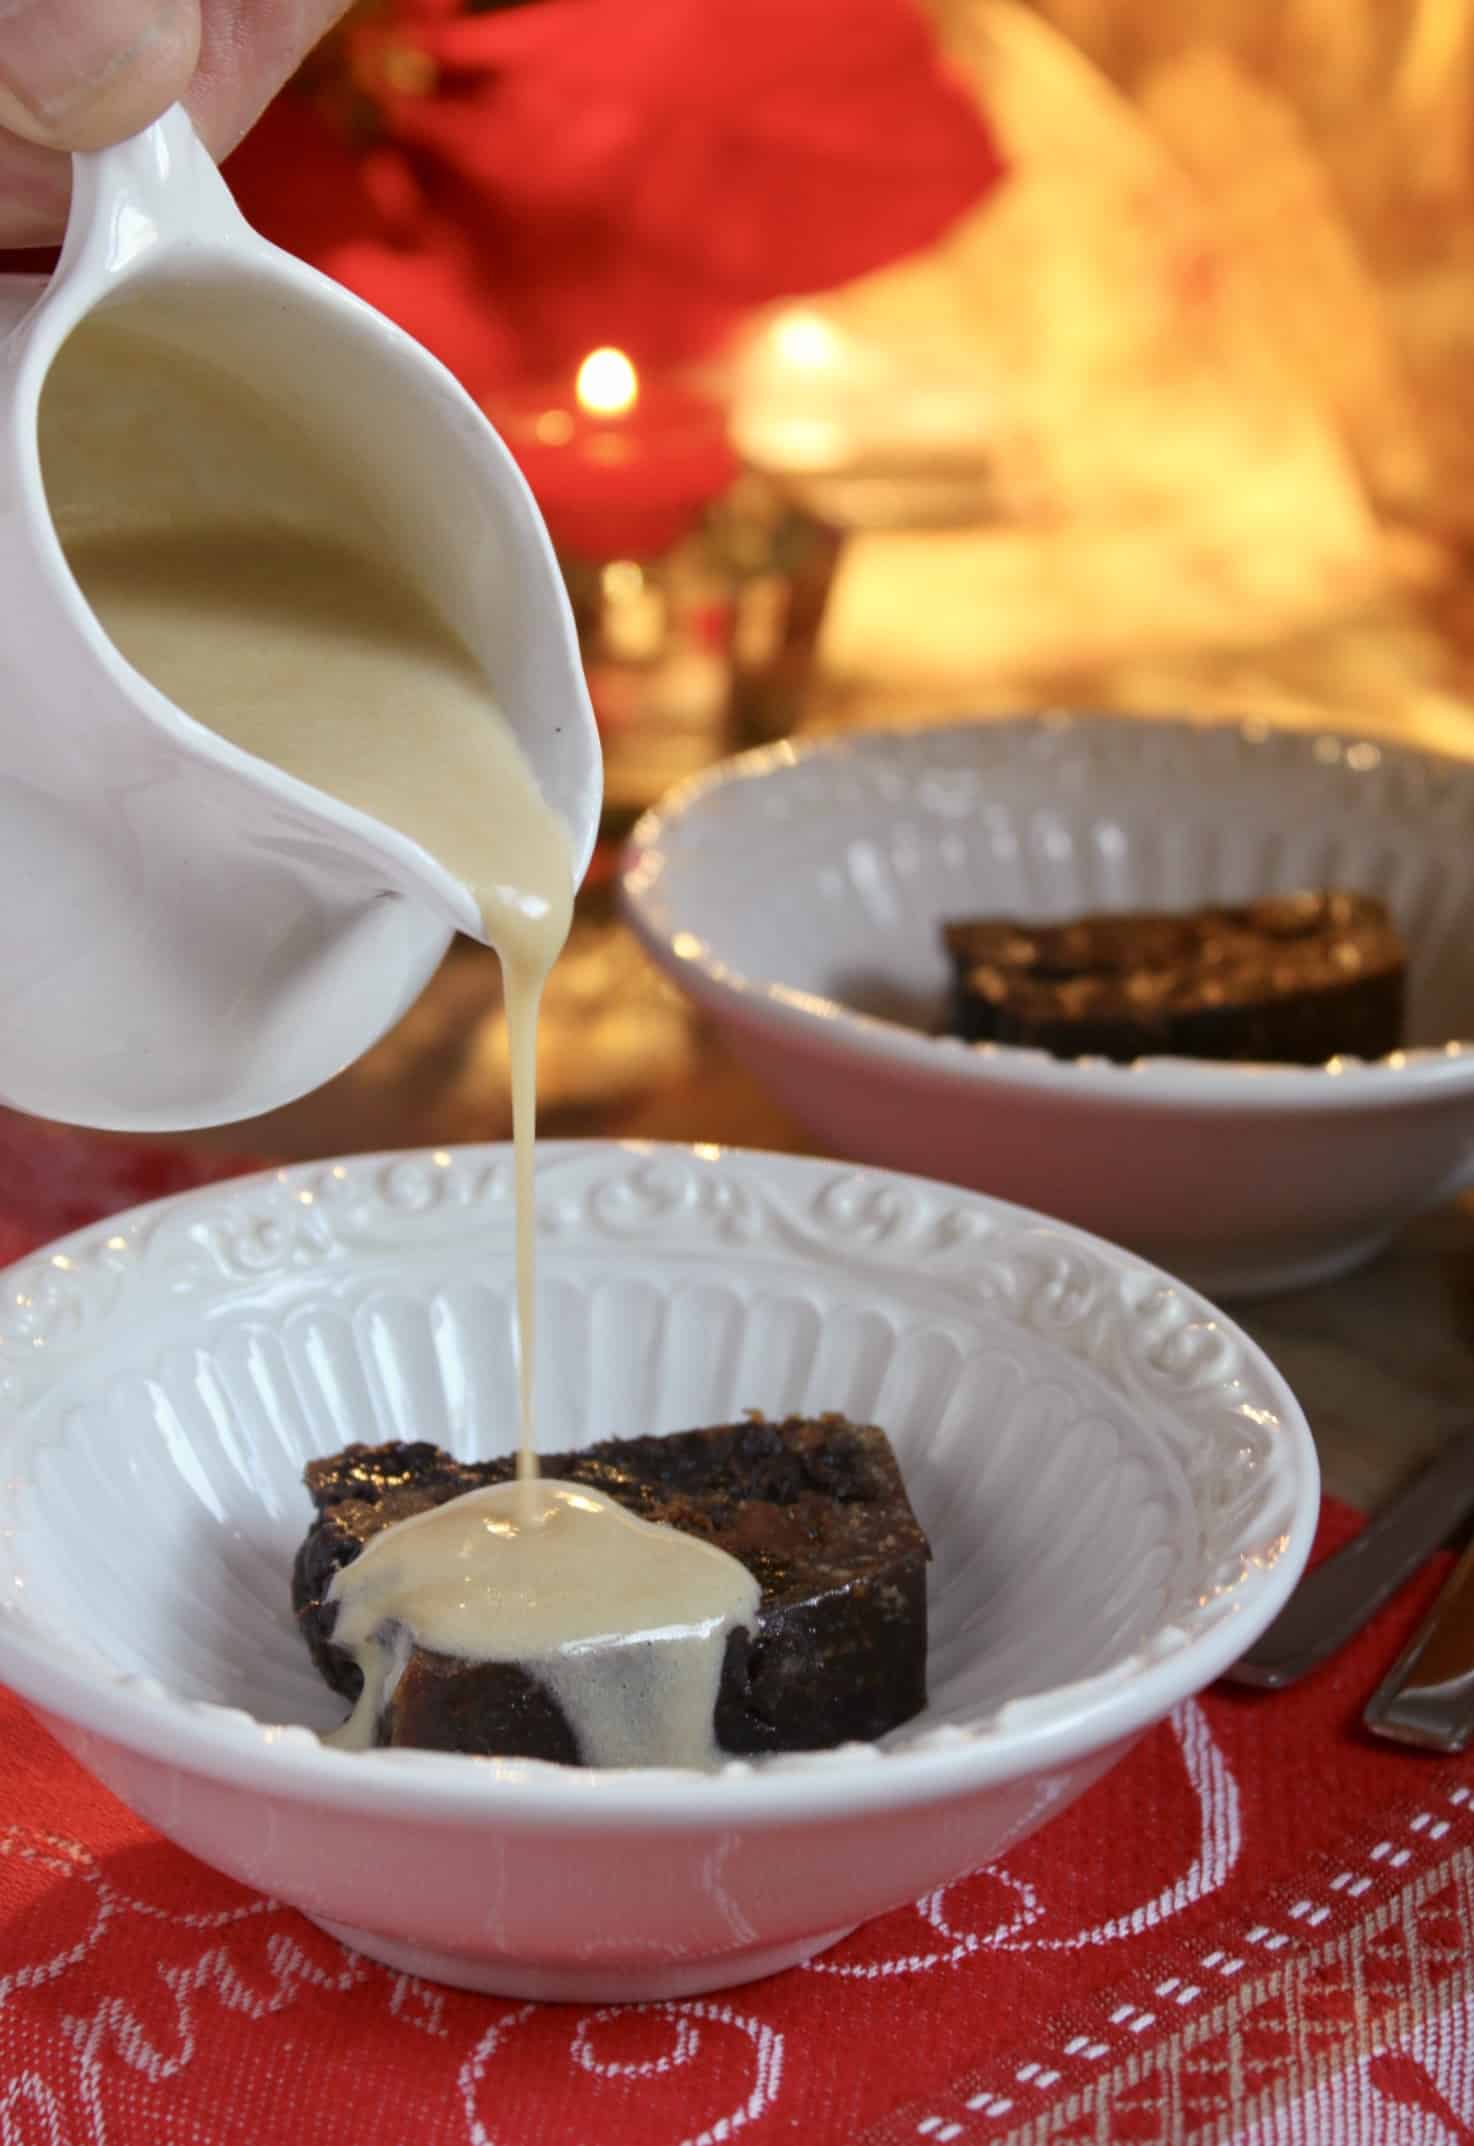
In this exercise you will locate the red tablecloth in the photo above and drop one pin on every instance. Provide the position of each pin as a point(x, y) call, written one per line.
point(1260, 1929)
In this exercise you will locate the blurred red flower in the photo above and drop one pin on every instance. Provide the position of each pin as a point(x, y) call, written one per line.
point(548, 177)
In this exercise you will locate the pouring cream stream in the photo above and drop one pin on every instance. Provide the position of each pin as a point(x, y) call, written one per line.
point(258, 608)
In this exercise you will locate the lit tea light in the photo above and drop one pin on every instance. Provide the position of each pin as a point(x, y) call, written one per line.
point(607, 383)
point(621, 466)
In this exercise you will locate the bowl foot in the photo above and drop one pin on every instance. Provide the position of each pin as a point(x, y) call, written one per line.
point(621, 1982)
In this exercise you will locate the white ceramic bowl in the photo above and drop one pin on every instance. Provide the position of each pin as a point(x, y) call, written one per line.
point(786, 889)
point(1119, 1490)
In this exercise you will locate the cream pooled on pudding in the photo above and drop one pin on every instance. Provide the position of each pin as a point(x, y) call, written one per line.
point(622, 1620)
point(227, 564)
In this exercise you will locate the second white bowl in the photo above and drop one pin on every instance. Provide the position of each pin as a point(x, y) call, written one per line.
point(797, 894)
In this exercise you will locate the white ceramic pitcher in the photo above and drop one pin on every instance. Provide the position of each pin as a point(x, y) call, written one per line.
point(187, 935)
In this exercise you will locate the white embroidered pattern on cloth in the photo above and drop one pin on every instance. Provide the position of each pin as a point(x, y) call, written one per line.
point(42, 2091)
point(1326, 2021)
point(1219, 1841)
point(37, 2092)
point(684, 2049)
point(1339, 2012)
point(119, 2034)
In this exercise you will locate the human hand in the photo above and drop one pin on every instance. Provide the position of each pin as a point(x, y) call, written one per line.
point(79, 74)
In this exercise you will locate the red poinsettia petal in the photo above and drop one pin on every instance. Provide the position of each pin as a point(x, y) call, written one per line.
point(581, 171)
point(516, 147)
point(366, 220)
point(799, 215)
point(555, 288)
point(435, 292)
point(299, 183)
point(767, 147)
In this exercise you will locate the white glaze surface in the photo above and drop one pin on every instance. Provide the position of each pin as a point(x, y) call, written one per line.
point(1119, 1489)
point(1087, 1433)
point(196, 937)
point(1245, 1178)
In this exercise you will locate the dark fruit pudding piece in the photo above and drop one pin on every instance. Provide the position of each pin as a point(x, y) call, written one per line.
point(1293, 979)
point(814, 1508)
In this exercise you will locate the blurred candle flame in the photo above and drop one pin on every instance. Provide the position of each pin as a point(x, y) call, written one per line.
point(805, 340)
point(607, 383)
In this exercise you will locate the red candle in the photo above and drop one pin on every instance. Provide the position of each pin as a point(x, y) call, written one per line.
point(621, 467)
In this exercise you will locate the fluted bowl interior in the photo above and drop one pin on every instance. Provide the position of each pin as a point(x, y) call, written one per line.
point(1118, 1489)
point(1078, 1438)
point(853, 850)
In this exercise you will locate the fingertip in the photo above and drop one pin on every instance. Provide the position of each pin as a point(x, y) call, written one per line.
point(250, 49)
point(75, 76)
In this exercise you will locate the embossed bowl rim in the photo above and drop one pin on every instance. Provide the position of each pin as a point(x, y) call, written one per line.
point(1425, 1071)
point(1043, 1730)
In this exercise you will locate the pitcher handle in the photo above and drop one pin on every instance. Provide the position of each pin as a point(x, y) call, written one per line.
point(158, 188)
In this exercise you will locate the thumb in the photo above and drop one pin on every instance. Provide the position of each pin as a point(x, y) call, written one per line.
point(77, 75)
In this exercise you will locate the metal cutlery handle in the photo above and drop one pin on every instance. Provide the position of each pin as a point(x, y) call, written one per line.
point(1427, 1697)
